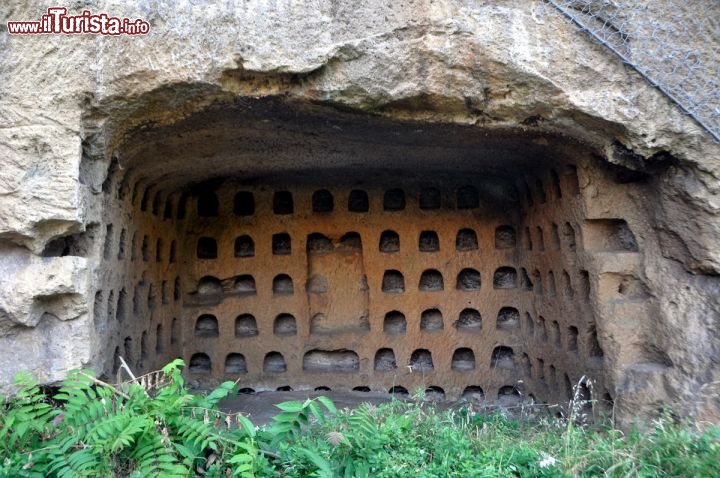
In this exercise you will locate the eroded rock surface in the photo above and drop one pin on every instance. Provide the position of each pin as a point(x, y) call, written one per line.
point(103, 138)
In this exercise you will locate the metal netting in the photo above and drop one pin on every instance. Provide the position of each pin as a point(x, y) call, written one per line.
point(674, 44)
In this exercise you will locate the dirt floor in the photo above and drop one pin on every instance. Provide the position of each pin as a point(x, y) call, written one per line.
point(260, 407)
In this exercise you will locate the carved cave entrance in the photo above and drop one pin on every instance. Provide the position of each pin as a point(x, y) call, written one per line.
point(296, 248)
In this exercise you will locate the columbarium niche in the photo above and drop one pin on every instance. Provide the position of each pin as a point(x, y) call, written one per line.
point(294, 247)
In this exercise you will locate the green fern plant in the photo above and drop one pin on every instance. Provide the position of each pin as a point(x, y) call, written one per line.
point(25, 422)
point(97, 429)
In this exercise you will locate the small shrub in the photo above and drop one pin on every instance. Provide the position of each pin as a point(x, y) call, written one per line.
point(96, 429)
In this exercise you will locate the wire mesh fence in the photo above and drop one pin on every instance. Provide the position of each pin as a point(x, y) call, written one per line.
point(674, 44)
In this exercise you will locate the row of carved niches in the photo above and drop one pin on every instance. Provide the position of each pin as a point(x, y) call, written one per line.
point(259, 270)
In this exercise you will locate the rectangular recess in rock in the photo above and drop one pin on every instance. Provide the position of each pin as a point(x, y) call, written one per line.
point(609, 235)
point(390, 264)
point(338, 296)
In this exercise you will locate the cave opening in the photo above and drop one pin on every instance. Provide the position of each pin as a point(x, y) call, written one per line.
point(298, 246)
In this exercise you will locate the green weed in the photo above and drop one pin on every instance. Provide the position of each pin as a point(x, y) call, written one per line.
point(91, 428)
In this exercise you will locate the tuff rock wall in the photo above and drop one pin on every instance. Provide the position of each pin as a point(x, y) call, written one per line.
point(592, 200)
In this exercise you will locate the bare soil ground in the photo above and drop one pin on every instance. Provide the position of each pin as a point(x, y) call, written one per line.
point(260, 407)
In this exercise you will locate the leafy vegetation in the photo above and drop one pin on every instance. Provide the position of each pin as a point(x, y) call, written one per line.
point(405, 439)
point(93, 429)
point(90, 428)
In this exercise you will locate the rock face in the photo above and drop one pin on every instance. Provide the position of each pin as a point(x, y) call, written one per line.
point(270, 189)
